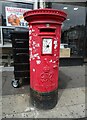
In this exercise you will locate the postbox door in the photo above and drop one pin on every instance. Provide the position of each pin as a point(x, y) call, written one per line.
point(44, 58)
point(46, 77)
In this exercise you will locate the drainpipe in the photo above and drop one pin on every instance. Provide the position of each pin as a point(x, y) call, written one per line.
point(35, 4)
point(44, 4)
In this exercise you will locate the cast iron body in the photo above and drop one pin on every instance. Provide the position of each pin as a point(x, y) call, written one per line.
point(44, 48)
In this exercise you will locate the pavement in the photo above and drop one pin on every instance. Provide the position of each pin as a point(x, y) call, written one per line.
point(15, 102)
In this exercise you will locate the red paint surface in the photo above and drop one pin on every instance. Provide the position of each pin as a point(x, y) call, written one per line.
point(44, 68)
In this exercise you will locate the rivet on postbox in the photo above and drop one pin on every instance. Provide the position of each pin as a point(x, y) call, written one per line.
point(47, 25)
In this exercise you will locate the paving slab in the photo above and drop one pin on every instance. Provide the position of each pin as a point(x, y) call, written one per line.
point(20, 115)
point(0, 109)
point(8, 89)
point(71, 96)
point(57, 112)
point(77, 111)
point(86, 109)
point(14, 103)
point(20, 104)
point(71, 77)
point(0, 83)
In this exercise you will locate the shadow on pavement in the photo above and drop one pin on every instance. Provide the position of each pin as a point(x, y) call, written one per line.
point(69, 77)
point(8, 89)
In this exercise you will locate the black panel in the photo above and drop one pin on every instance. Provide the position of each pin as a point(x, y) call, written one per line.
point(20, 45)
point(71, 61)
point(21, 58)
point(21, 74)
point(22, 66)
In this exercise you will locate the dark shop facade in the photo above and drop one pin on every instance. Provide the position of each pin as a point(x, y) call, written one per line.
point(73, 48)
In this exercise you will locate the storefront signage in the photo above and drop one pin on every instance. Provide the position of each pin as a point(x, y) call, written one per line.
point(14, 16)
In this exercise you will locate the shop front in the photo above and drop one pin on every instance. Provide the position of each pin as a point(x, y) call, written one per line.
point(73, 49)
point(11, 17)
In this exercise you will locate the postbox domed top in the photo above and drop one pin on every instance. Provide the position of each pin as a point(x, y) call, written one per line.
point(45, 14)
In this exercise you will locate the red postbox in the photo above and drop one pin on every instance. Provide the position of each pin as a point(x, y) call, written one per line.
point(44, 48)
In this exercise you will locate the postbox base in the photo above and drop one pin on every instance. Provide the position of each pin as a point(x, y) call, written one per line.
point(44, 100)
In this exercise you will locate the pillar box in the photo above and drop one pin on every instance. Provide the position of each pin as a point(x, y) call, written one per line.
point(44, 49)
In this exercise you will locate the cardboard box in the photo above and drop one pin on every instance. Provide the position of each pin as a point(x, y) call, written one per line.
point(64, 52)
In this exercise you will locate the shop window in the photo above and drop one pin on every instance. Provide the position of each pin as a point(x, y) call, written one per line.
point(4, 4)
point(73, 29)
point(11, 16)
